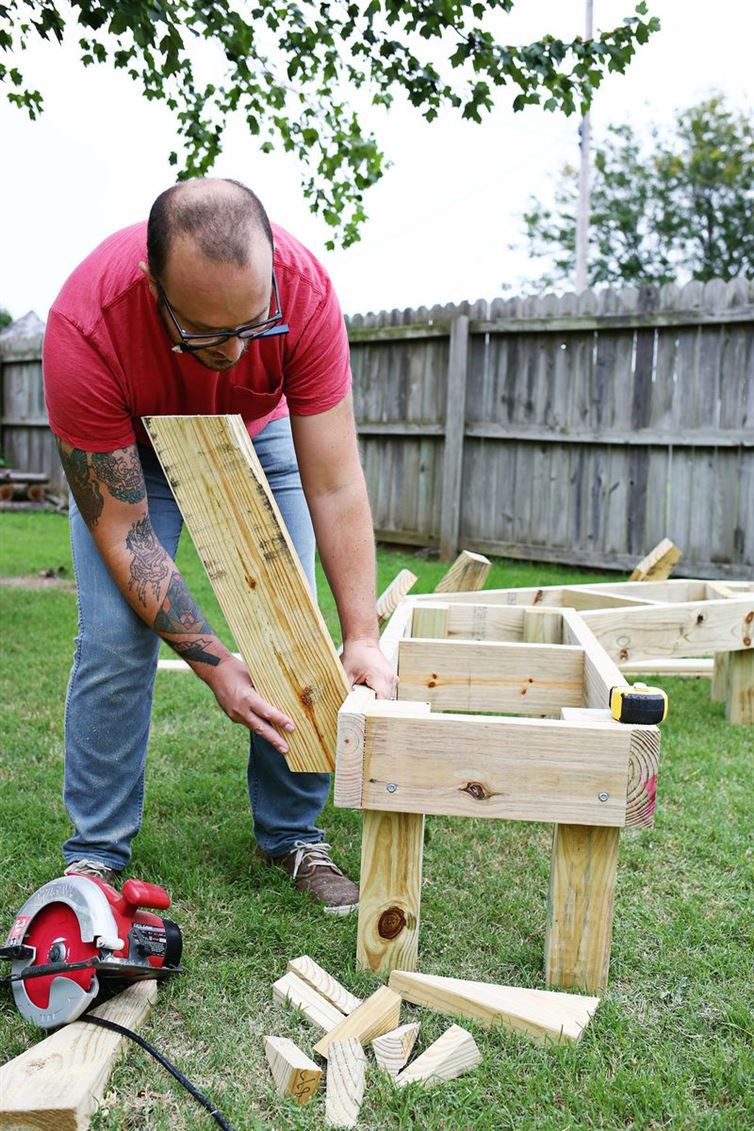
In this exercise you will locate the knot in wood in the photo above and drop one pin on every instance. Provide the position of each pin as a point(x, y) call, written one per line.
point(747, 642)
point(476, 790)
point(750, 618)
point(308, 696)
point(391, 923)
point(700, 618)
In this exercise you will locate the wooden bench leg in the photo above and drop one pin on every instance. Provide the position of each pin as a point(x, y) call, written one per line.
point(719, 685)
point(739, 702)
point(392, 847)
point(580, 912)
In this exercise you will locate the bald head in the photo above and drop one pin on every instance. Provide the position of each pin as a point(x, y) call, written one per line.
point(222, 220)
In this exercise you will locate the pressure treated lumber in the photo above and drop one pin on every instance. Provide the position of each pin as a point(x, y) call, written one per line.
point(691, 629)
point(295, 1074)
point(378, 1014)
point(292, 990)
point(452, 1054)
point(543, 626)
point(392, 1050)
point(350, 739)
point(392, 846)
point(57, 1084)
point(739, 702)
point(541, 1015)
point(346, 1078)
point(674, 591)
point(469, 675)
point(330, 988)
point(514, 768)
point(580, 908)
point(389, 600)
point(601, 673)
point(467, 573)
point(241, 538)
point(658, 563)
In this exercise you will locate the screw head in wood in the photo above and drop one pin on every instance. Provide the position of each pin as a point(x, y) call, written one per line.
point(603, 796)
point(391, 787)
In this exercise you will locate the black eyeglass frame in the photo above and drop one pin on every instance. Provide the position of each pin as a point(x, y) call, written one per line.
point(246, 331)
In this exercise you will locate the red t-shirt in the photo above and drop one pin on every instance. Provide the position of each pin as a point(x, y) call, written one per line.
point(108, 359)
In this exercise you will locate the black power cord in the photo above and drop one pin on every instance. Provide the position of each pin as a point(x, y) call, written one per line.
point(163, 1060)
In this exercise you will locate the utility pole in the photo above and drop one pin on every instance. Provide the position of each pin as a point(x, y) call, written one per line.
point(582, 219)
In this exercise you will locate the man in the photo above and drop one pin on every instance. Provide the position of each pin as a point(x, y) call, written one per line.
point(204, 310)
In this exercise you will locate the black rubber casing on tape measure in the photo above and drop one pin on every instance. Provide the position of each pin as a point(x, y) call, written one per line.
point(647, 706)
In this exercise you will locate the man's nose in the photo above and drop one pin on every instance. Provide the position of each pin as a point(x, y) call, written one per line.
point(232, 349)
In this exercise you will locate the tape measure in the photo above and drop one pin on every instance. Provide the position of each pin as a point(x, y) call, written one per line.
point(638, 704)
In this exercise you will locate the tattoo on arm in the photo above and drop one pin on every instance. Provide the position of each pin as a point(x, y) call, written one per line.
point(149, 566)
point(178, 614)
point(195, 650)
point(121, 473)
point(84, 489)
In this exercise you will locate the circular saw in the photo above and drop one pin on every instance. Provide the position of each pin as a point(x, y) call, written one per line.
point(77, 938)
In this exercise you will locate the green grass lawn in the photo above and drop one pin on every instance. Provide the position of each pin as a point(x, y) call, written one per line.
point(671, 1044)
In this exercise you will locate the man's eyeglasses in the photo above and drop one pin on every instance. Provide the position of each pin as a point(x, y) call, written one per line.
point(191, 343)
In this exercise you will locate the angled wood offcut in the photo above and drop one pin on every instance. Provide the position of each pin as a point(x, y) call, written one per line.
point(452, 1054)
point(57, 1084)
point(321, 1013)
point(241, 538)
point(392, 1050)
point(295, 1074)
point(541, 1015)
point(378, 1014)
point(330, 988)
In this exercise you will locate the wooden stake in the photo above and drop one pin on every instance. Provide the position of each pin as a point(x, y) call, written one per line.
point(295, 1074)
point(392, 1050)
point(389, 600)
point(295, 991)
point(739, 704)
point(308, 970)
point(720, 673)
point(377, 1015)
point(392, 848)
point(452, 1054)
point(539, 1014)
point(252, 565)
point(346, 1077)
point(468, 573)
point(659, 562)
point(57, 1084)
point(580, 910)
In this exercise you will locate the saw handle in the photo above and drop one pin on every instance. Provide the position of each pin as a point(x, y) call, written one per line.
point(140, 894)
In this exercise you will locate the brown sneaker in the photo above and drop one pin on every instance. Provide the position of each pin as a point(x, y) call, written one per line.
point(312, 870)
point(92, 868)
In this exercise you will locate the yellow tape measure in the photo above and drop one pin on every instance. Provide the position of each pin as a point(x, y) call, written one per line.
point(638, 704)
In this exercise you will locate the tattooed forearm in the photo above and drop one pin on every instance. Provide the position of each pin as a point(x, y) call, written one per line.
point(121, 473)
point(178, 614)
point(195, 650)
point(149, 562)
point(84, 489)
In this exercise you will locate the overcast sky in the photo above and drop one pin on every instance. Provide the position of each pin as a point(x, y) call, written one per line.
point(440, 222)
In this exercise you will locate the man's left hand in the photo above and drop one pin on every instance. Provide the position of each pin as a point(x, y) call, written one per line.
point(364, 663)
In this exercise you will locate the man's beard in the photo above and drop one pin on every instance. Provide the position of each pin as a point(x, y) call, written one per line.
point(220, 364)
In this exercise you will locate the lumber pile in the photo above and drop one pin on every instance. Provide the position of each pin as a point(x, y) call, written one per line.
point(347, 1025)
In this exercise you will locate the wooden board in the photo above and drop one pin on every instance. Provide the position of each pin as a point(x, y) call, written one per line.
point(346, 1079)
point(330, 988)
point(540, 1014)
point(378, 1014)
point(452, 1054)
point(601, 673)
point(392, 846)
point(391, 597)
point(57, 1084)
point(464, 675)
point(689, 629)
point(295, 1074)
point(294, 991)
point(518, 769)
point(468, 573)
point(392, 1050)
point(580, 908)
point(658, 563)
point(739, 700)
point(252, 565)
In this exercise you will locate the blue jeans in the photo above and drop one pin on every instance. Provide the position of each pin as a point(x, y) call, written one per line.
point(109, 701)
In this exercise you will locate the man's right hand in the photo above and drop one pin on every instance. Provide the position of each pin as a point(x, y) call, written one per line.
point(233, 688)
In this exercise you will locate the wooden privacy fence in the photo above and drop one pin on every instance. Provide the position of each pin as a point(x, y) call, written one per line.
point(578, 429)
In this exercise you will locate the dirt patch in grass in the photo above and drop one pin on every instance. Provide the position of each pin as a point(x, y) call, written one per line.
point(41, 581)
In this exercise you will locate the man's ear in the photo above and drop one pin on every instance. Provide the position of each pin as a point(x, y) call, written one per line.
point(151, 281)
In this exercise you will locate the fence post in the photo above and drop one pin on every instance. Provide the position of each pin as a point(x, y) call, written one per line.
point(455, 420)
